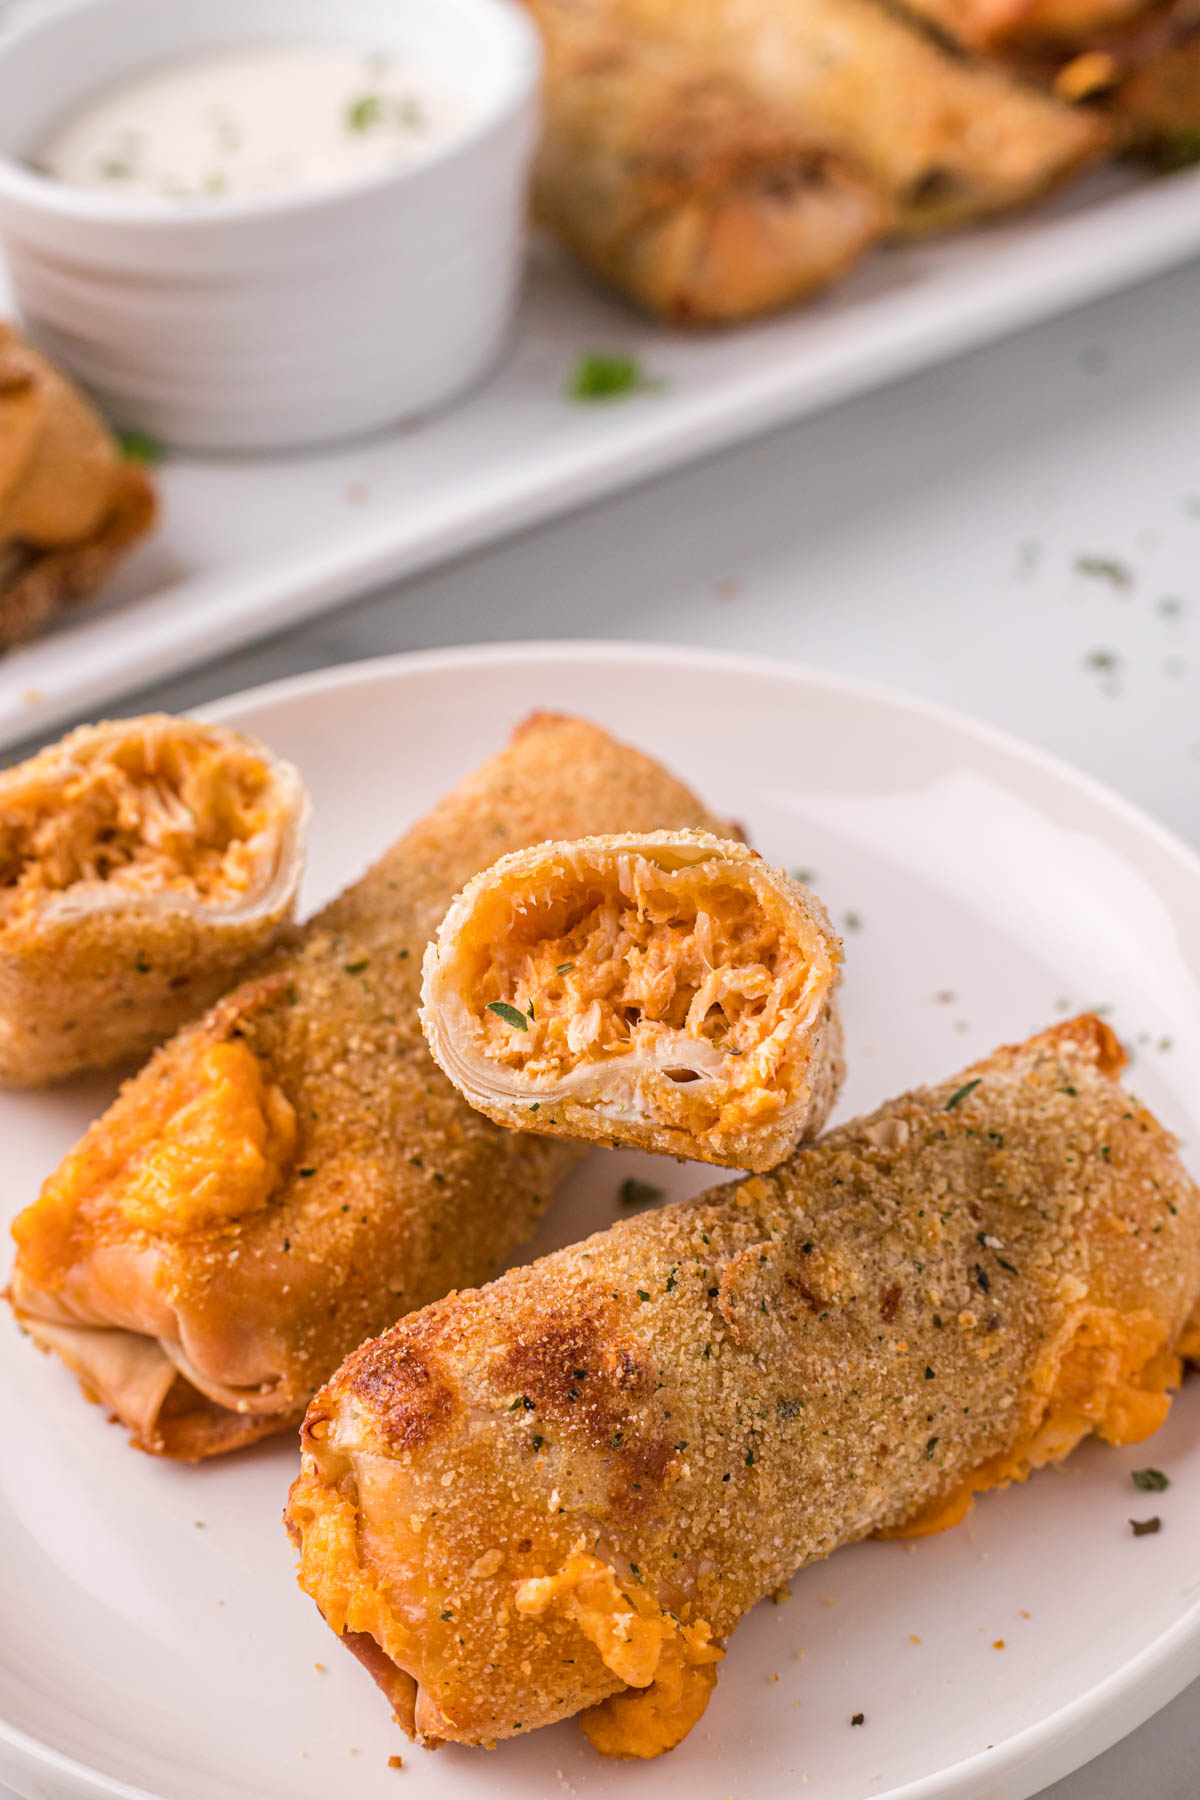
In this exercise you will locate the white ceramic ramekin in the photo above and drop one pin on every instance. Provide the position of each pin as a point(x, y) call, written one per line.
point(270, 323)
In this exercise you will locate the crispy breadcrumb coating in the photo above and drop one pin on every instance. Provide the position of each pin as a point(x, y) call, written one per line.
point(560, 1493)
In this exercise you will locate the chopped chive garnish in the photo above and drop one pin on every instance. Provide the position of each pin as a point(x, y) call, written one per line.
point(603, 375)
point(139, 446)
point(510, 1014)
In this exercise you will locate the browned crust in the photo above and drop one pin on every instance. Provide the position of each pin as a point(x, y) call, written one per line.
point(708, 1396)
point(671, 180)
point(947, 136)
point(52, 580)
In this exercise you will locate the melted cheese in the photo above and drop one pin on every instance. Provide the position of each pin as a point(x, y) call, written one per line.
point(668, 1662)
point(324, 1524)
point(1112, 1379)
point(209, 1144)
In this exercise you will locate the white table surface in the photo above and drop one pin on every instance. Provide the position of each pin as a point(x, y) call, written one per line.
point(928, 537)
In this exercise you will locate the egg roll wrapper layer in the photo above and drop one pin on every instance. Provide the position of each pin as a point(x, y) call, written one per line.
point(70, 504)
point(144, 865)
point(560, 1493)
point(290, 1173)
point(669, 991)
point(672, 180)
point(1147, 76)
point(947, 137)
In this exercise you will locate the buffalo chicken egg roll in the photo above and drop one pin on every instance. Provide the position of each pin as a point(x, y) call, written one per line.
point(948, 138)
point(669, 991)
point(670, 178)
point(70, 504)
point(144, 863)
point(559, 1494)
point(293, 1170)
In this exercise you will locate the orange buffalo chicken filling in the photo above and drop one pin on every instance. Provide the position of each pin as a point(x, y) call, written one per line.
point(681, 963)
point(1112, 1379)
point(210, 1141)
point(669, 1667)
point(143, 814)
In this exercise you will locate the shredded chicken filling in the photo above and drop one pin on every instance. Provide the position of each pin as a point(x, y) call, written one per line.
point(639, 959)
point(143, 814)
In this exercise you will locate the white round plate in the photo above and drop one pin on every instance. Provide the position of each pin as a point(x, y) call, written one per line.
point(152, 1640)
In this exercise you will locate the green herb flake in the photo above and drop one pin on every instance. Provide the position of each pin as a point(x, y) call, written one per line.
point(967, 1088)
point(364, 112)
point(605, 375)
point(564, 968)
point(1177, 149)
point(642, 1294)
point(858, 1718)
point(638, 1193)
point(1151, 1481)
point(1145, 1527)
point(1105, 568)
point(139, 447)
point(304, 1174)
point(510, 1014)
point(356, 968)
point(930, 1447)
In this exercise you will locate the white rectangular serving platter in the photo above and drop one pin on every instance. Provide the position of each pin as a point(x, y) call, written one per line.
point(250, 546)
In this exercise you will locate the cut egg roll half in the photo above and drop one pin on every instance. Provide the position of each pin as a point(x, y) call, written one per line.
point(143, 864)
point(669, 991)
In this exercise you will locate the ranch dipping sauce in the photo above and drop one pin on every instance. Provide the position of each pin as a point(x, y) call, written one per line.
point(282, 119)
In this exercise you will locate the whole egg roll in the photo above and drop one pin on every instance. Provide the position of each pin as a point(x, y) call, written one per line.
point(70, 504)
point(668, 177)
point(560, 1493)
point(668, 991)
point(292, 1171)
point(144, 864)
point(948, 138)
